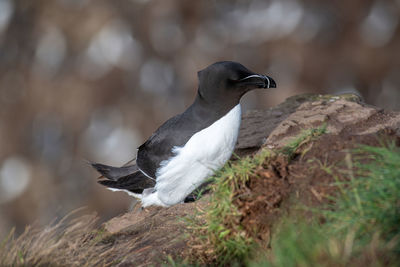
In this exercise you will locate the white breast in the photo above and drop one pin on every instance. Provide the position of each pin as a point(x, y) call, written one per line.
point(204, 153)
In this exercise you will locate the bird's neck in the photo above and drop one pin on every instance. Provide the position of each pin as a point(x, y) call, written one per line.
point(216, 103)
point(209, 112)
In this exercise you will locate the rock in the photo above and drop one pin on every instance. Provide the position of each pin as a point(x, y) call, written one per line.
point(258, 124)
point(151, 234)
point(339, 114)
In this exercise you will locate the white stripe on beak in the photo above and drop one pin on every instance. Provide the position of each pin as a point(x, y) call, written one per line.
point(266, 77)
point(257, 76)
point(252, 76)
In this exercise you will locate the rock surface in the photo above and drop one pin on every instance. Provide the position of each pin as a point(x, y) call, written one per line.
point(151, 234)
point(258, 124)
point(339, 113)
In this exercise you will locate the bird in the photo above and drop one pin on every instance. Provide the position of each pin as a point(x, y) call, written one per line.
point(189, 147)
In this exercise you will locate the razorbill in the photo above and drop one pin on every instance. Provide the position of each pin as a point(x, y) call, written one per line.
point(191, 146)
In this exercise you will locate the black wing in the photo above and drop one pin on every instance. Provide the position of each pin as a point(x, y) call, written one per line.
point(135, 182)
point(114, 173)
point(174, 132)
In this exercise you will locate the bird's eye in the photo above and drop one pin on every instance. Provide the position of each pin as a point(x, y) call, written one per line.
point(231, 81)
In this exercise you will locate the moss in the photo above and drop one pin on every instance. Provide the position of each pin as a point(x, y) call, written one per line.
point(331, 98)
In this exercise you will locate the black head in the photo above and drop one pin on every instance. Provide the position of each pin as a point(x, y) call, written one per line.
point(228, 81)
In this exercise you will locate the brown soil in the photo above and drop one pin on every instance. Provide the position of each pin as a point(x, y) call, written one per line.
point(260, 199)
point(307, 179)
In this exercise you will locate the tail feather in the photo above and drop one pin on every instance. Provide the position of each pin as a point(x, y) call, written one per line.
point(114, 173)
point(135, 182)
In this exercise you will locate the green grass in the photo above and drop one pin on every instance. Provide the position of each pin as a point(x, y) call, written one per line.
point(370, 202)
point(362, 226)
point(222, 231)
point(304, 137)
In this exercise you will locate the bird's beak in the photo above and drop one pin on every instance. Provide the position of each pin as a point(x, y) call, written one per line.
point(260, 81)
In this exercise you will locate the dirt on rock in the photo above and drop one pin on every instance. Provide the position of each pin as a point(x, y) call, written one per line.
point(307, 179)
point(330, 158)
point(260, 199)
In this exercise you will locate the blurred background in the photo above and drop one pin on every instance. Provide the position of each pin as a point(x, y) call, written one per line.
point(91, 80)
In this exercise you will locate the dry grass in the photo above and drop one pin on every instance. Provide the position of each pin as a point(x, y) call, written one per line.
point(73, 241)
